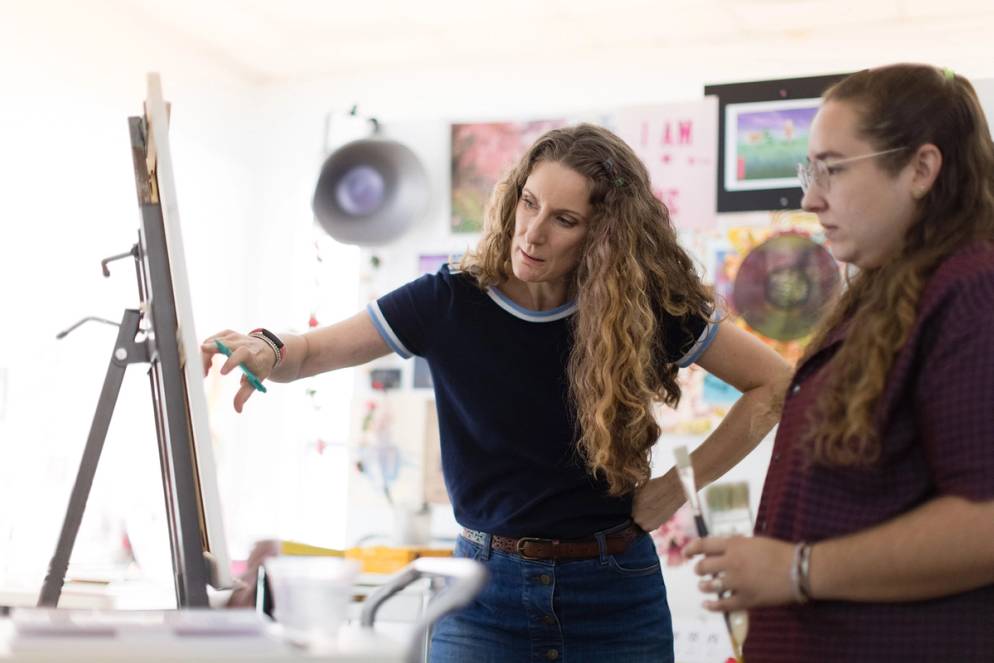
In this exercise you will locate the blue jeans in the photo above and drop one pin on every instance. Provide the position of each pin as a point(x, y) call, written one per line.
point(610, 608)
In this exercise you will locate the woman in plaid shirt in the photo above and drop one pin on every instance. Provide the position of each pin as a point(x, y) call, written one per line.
point(875, 534)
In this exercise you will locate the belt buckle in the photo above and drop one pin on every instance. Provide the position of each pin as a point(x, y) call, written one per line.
point(519, 547)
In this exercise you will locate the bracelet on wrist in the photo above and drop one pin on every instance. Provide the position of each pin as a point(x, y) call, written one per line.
point(799, 572)
point(269, 344)
point(280, 346)
point(804, 573)
point(274, 343)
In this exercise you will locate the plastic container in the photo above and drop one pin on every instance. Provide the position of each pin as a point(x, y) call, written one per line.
point(311, 596)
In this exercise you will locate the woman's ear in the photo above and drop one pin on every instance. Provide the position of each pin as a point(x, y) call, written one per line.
point(925, 164)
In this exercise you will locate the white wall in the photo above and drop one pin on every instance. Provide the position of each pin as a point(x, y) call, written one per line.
point(67, 86)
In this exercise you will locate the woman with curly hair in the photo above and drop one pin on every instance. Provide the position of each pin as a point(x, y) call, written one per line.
point(549, 346)
point(875, 534)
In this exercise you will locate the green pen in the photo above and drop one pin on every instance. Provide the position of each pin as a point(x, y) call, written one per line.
point(254, 381)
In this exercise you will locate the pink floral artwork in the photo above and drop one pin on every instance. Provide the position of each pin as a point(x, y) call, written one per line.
point(481, 155)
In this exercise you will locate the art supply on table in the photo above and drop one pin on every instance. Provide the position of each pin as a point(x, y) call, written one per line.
point(254, 381)
point(737, 622)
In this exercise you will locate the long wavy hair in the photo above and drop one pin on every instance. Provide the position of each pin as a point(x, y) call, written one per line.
point(903, 105)
point(631, 269)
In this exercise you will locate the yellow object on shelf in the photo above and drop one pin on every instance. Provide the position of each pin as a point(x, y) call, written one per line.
point(303, 549)
point(374, 559)
point(389, 559)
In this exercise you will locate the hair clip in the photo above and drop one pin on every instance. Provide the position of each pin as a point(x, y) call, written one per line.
point(616, 180)
point(948, 73)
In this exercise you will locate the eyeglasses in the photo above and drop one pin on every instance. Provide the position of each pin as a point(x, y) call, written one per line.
point(819, 171)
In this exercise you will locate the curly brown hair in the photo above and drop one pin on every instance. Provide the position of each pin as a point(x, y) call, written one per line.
point(903, 105)
point(631, 269)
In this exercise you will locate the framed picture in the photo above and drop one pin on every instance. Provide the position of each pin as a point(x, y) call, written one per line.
point(762, 136)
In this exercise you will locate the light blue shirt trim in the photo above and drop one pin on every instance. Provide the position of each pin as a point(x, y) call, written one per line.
point(702, 343)
point(528, 315)
point(383, 327)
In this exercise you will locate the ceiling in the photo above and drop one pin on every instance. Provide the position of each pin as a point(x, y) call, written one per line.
point(269, 41)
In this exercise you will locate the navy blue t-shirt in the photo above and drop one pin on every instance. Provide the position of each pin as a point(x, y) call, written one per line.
point(508, 436)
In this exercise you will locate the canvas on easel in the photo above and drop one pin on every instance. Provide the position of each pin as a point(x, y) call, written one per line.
point(161, 334)
point(159, 165)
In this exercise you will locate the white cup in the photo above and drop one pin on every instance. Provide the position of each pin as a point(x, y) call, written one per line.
point(311, 596)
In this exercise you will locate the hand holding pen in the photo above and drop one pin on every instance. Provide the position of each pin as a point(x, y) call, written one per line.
point(252, 355)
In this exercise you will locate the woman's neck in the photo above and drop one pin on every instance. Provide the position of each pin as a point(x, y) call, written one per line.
point(541, 296)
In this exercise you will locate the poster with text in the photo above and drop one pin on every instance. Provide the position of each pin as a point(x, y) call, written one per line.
point(679, 145)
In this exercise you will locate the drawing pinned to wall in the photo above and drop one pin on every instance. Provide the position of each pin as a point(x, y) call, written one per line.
point(388, 451)
point(784, 284)
point(783, 290)
point(726, 262)
point(429, 263)
point(704, 402)
point(481, 155)
point(783, 278)
point(678, 144)
point(693, 415)
point(377, 456)
point(765, 142)
point(397, 458)
point(717, 392)
point(672, 537)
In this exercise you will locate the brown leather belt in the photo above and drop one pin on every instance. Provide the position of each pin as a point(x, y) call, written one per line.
point(530, 547)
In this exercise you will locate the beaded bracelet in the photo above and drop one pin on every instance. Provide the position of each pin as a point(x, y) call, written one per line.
point(272, 346)
point(273, 339)
point(276, 353)
point(280, 345)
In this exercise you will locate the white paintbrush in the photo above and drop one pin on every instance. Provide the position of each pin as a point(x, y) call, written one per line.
point(685, 471)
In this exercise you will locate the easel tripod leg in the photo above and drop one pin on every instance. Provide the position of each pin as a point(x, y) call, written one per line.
point(55, 578)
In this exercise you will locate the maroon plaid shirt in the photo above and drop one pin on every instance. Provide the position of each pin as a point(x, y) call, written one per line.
point(937, 430)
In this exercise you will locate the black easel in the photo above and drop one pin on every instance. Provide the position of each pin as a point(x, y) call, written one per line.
point(156, 326)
